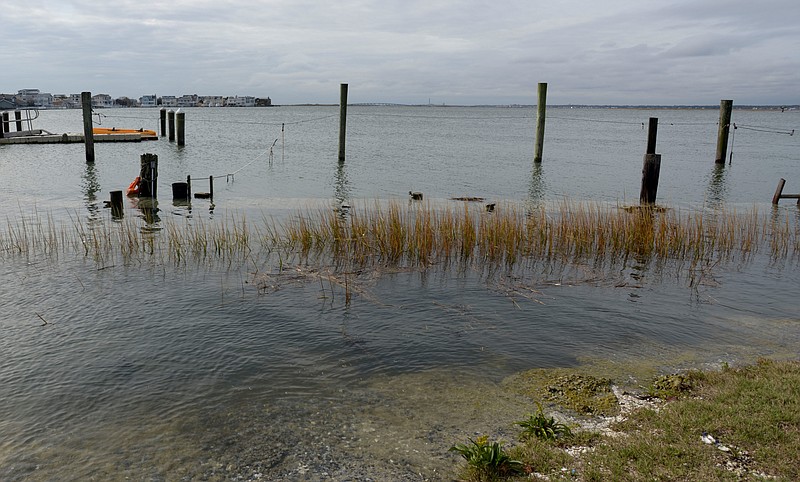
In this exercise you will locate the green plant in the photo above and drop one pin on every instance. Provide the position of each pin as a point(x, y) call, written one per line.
point(488, 461)
point(542, 427)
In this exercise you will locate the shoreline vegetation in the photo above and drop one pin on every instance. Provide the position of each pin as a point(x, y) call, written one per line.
point(739, 423)
point(422, 236)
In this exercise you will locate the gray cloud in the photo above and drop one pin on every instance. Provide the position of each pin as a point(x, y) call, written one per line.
point(463, 52)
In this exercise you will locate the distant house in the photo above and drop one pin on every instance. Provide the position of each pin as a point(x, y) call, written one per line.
point(169, 101)
point(212, 101)
point(102, 101)
point(34, 98)
point(148, 100)
point(236, 101)
point(7, 102)
point(187, 100)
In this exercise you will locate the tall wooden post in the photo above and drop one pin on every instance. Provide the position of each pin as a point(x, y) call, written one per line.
point(171, 122)
point(148, 186)
point(725, 107)
point(541, 110)
point(88, 135)
point(163, 118)
point(18, 119)
point(342, 120)
point(652, 166)
point(211, 187)
point(3, 117)
point(180, 123)
point(6, 127)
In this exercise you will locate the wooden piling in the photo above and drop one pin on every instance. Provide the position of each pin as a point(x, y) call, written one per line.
point(541, 110)
point(171, 122)
point(211, 187)
point(18, 119)
point(88, 136)
point(725, 108)
point(163, 117)
point(180, 122)
point(116, 204)
point(188, 187)
point(342, 119)
point(651, 168)
point(778, 191)
point(652, 133)
point(5, 122)
point(148, 186)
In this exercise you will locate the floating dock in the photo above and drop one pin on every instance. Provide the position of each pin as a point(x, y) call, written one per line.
point(44, 137)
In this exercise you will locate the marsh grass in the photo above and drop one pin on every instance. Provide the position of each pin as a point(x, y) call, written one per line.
point(419, 236)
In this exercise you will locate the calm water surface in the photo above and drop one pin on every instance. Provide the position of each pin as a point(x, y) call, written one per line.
point(211, 370)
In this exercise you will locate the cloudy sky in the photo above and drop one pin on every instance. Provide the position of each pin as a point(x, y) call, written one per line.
point(409, 51)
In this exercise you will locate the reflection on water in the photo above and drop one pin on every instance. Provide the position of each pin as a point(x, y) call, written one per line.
point(717, 190)
point(537, 187)
point(341, 185)
point(90, 186)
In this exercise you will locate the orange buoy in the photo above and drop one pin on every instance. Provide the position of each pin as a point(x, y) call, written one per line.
point(133, 189)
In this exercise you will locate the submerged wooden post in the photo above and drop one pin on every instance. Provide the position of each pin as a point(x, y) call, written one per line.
point(171, 122)
point(725, 107)
point(652, 166)
point(211, 187)
point(180, 122)
point(189, 187)
point(342, 119)
point(163, 118)
point(148, 185)
point(88, 136)
point(541, 110)
point(116, 204)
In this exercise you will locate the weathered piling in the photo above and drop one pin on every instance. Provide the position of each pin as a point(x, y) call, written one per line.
point(163, 118)
point(725, 108)
point(188, 187)
point(5, 122)
point(116, 204)
point(342, 119)
point(541, 110)
point(211, 187)
point(18, 120)
point(88, 135)
point(780, 195)
point(171, 122)
point(148, 185)
point(652, 166)
point(180, 122)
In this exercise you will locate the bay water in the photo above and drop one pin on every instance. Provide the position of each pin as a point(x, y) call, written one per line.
point(152, 370)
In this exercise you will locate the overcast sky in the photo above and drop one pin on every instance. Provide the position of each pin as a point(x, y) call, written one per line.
point(409, 51)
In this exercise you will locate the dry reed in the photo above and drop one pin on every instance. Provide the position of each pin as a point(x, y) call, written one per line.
point(420, 235)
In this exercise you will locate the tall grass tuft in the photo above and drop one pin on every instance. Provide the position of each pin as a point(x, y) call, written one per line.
point(420, 235)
